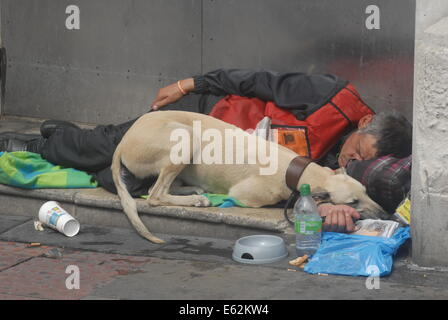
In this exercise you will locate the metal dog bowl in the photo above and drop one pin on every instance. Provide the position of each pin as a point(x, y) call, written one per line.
point(259, 249)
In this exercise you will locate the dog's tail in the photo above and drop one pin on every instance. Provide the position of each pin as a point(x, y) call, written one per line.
point(127, 202)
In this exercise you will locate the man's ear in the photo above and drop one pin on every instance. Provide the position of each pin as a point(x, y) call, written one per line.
point(365, 121)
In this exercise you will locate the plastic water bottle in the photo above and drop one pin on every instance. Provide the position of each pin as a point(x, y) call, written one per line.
point(308, 223)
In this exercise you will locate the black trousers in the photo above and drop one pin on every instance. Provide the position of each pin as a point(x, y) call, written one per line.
point(91, 150)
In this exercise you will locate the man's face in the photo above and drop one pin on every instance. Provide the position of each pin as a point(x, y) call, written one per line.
point(358, 147)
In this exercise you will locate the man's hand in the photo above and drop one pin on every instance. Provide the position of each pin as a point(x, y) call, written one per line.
point(338, 218)
point(172, 93)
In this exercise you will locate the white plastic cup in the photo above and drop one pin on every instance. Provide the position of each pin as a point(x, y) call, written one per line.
point(52, 215)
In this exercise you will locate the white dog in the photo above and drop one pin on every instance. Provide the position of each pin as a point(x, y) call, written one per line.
point(147, 150)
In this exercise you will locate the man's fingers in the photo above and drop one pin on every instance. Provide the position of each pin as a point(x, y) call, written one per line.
point(156, 104)
point(160, 96)
point(161, 103)
point(339, 218)
point(341, 221)
point(355, 214)
point(327, 222)
point(334, 221)
point(349, 225)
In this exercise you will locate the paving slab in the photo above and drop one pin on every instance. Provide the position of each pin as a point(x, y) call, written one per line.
point(9, 222)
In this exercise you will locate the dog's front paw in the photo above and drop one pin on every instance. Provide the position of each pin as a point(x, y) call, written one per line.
point(202, 201)
point(198, 190)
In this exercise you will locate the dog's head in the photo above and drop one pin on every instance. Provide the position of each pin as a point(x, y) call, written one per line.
point(340, 188)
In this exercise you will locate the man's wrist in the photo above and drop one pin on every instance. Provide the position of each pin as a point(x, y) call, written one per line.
point(186, 85)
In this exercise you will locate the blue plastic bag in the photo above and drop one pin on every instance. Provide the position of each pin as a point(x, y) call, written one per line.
point(356, 255)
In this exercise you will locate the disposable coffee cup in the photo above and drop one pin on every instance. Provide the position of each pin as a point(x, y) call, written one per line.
point(54, 216)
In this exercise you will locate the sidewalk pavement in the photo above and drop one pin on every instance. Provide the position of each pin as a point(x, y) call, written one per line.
point(115, 263)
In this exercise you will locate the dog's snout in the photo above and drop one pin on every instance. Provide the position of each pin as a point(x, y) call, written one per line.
point(371, 210)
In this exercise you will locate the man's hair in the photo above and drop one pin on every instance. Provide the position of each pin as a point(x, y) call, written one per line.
point(394, 134)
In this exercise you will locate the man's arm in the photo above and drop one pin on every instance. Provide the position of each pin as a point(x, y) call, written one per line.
point(282, 88)
point(287, 90)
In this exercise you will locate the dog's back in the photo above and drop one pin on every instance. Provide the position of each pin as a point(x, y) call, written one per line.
point(152, 140)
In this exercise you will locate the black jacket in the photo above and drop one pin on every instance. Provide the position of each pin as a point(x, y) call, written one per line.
point(298, 92)
point(301, 93)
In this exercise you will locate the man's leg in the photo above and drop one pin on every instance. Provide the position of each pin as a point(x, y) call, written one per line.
point(89, 150)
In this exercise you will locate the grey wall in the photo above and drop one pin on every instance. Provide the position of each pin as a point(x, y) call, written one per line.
point(110, 69)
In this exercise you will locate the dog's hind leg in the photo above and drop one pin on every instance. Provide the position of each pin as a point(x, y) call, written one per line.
point(245, 192)
point(180, 190)
point(159, 193)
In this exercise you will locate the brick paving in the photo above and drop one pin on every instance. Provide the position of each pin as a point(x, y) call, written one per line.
point(12, 253)
point(34, 273)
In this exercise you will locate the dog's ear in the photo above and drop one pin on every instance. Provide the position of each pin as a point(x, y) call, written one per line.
point(320, 195)
point(340, 171)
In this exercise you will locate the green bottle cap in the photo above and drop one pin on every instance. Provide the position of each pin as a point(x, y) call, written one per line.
point(305, 190)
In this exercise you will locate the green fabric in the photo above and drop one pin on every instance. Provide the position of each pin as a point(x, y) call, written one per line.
point(28, 170)
point(223, 200)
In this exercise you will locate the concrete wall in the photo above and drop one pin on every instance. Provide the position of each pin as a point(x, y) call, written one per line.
point(428, 13)
point(430, 149)
point(125, 50)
